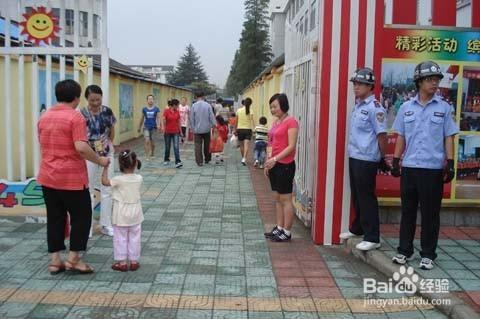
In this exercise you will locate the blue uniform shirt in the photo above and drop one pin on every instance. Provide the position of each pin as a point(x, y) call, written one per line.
point(425, 129)
point(367, 121)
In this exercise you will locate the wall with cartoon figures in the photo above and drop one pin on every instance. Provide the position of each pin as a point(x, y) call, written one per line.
point(127, 98)
point(26, 199)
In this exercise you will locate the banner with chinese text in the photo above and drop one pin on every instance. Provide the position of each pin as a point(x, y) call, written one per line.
point(458, 54)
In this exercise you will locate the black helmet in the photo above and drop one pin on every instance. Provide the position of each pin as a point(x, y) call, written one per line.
point(363, 75)
point(427, 68)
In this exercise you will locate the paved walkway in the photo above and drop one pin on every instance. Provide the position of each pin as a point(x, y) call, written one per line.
point(204, 256)
point(458, 259)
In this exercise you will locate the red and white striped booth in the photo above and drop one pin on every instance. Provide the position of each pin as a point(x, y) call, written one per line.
point(350, 37)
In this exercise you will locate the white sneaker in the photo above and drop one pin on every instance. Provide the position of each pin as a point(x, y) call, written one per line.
point(367, 245)
point(107, 231)
point(90, 234)
point(255, 164)
point(401, 259)
point(347, 235)
point(426, 264)
point(244, 162)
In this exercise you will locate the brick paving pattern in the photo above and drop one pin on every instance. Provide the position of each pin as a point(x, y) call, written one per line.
point(203, 256)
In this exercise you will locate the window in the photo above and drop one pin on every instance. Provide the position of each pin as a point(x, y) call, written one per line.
point(69, 21)
point(28, 10)
point(83, 24)
point(313, 15)
point(96, 25)
point(56, 12)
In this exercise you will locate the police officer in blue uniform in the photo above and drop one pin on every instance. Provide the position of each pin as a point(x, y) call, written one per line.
point(366, 149)
point(426, 131)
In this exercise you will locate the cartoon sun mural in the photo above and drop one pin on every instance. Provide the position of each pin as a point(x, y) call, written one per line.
point(40, 25)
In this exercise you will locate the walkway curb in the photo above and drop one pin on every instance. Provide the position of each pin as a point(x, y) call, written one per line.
point(381, 262)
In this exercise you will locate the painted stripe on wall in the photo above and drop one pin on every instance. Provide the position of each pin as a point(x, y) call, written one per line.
point(352, 66)
point(444, 13)
point(341, 119)
point(362, 36)
point(332, 118)
point(475, 13)
point(404, 12)
point(323, 124)
point(377, 58)
point(370, 31)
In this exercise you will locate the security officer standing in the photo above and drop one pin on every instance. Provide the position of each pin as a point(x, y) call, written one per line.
point(426, 131)
point(366, 149)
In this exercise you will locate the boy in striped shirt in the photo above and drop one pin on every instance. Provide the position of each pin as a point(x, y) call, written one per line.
point(261, 138)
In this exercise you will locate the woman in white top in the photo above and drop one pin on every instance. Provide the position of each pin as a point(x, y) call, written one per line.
point(127, 214)
point(184, 110)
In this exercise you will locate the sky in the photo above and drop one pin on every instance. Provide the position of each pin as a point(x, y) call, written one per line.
point(157, 32)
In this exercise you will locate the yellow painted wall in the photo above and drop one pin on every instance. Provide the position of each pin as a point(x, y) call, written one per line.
point(261, 91)
point(140, 91)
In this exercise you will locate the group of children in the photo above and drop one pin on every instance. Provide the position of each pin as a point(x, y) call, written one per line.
point(223, 130)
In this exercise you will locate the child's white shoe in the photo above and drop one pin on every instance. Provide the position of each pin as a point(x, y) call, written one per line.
point(107, 231)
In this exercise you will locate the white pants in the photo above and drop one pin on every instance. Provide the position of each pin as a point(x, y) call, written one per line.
point(127, 242)
point(95, 181)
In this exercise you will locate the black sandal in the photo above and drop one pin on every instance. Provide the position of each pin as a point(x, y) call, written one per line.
point(60, 268)
point(72, 267)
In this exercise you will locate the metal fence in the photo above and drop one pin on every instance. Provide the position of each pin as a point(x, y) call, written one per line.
point(17, 48)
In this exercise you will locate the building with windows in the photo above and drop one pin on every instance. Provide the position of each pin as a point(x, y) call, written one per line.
point(155, 72)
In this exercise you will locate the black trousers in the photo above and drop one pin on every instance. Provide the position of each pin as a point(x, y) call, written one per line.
point(78, 205)
point(205, 139)
point(424, 187)
point(363, 176)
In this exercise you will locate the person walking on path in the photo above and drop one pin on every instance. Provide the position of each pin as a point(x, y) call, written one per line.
point(232, 123)
point(202, 120)
point(426, 130)
point(219, 138)
point(100, 133)
point(367, 145)
point(218, 106)
point(172, 132)
point(127, 214)
point(261, 139)
point(280, 167)
point(244, 127)
point(184, 110)
point(62, 134)
point(150, 121)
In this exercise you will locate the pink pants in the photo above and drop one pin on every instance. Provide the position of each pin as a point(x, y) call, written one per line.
point(127, 242)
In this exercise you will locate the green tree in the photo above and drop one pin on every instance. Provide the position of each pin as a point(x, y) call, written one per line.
point(188, 70)
point(255, 52)
point(205, 87)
